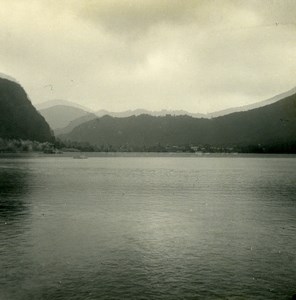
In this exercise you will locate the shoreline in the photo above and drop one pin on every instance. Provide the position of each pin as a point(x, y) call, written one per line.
point(143, 154)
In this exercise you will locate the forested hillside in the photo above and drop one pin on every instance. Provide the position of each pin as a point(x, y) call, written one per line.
point(18, 117)
point(274, 124)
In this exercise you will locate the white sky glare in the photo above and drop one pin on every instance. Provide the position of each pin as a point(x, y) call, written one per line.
point(196, 55)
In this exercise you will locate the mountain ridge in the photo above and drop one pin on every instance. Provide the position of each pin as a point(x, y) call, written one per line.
point(62, 102)
point(273, 123)
point(254, 105)
point(66, 126)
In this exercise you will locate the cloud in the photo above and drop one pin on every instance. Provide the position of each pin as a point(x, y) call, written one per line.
point(195, 55)
point(136, 16)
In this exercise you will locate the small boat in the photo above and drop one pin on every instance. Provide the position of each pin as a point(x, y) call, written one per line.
point(80, 156)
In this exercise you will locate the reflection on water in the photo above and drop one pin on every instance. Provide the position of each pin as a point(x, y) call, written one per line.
point(148, 228)
point(14, 185)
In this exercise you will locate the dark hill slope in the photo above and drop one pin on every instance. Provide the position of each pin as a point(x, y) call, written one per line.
point(275, 123)
point(18, 117)
point(143, 130)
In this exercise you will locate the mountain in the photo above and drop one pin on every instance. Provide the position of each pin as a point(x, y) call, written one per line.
point(75, 123)
point(215, 114)
point(271, 124)
point(252, 106)
point(18, 117)
point(64, 118)
point(59, 116)
point(56, 102)
point(138, 112)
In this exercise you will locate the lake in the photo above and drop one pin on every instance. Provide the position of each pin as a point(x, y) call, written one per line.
point(148, 227)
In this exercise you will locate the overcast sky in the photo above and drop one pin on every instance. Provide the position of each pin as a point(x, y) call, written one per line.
point(199, 56)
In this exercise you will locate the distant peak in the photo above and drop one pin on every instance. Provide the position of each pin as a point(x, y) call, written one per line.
point(60, 102)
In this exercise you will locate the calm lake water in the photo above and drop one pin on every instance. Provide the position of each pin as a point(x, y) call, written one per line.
point(148, 228)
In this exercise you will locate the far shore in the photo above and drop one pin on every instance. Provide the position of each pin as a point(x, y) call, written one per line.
point(141, 154)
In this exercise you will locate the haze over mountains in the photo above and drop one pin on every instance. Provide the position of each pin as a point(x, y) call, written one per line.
point(60, 116)
point(63, 115)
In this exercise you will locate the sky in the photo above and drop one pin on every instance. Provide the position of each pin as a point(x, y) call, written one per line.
point(196, 55)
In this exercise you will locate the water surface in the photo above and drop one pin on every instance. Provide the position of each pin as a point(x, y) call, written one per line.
point(148, 228)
